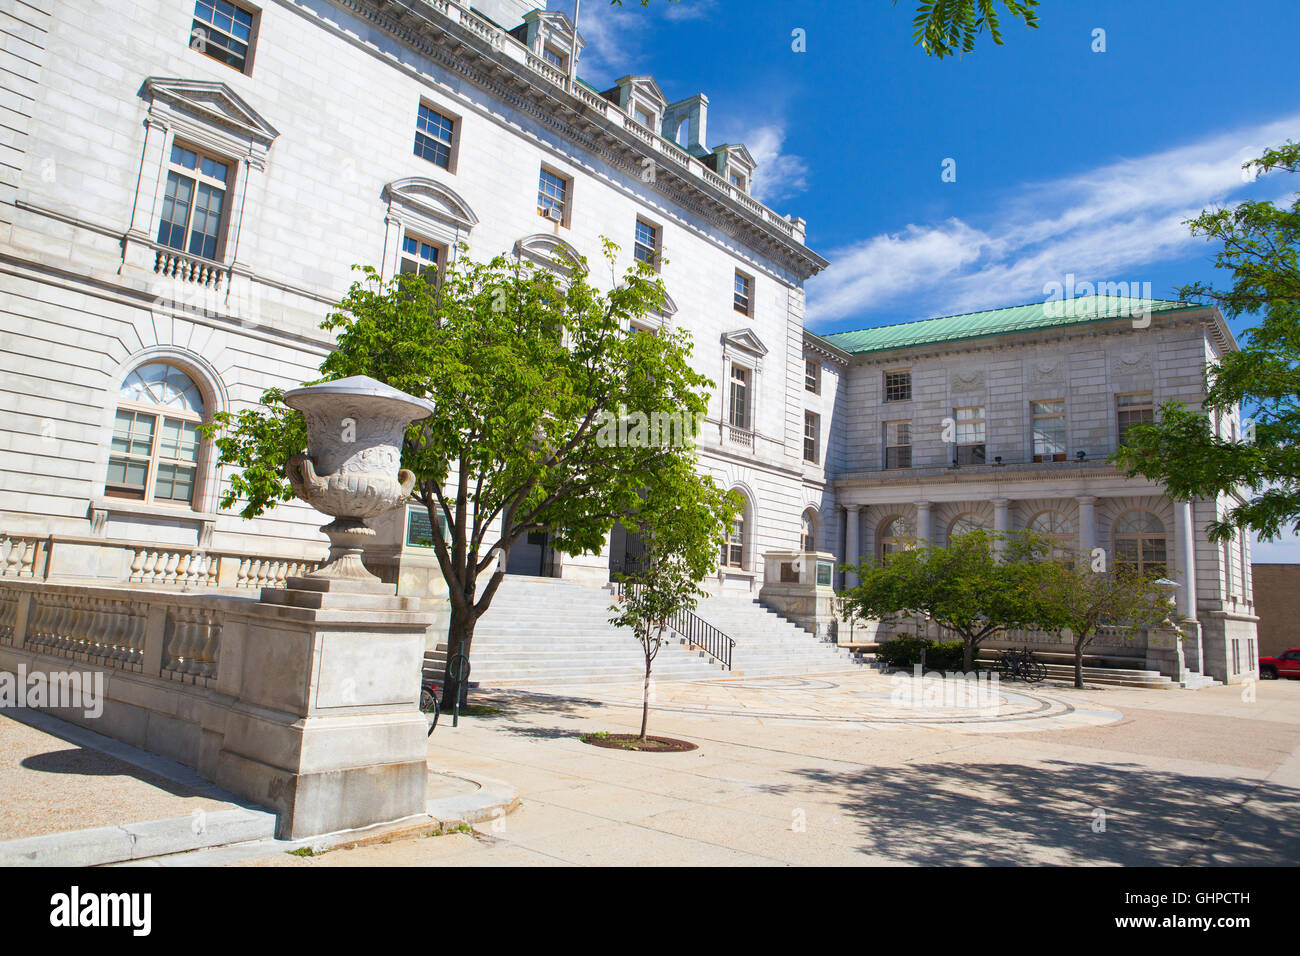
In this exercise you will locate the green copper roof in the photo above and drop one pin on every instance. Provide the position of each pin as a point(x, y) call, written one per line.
point(1017, 318)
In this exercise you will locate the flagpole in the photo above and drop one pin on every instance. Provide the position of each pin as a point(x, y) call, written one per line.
point(573, 51)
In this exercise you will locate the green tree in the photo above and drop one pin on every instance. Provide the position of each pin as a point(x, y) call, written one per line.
point(681, 520)
point(966, 587)
point(1259, 246)
point(526, 367)
point(1073, 597)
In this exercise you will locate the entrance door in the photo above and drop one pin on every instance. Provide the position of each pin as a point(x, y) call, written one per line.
point(532, 555)
point(626, 550)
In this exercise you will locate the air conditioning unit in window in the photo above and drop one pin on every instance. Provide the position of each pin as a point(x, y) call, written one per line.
point(553, 214)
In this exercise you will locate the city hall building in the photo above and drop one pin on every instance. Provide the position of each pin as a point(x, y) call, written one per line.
point(186, 184)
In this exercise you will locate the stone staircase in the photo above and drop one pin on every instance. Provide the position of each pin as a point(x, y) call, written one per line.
point(769, 645)
point(544, 632)
point(1059, 669)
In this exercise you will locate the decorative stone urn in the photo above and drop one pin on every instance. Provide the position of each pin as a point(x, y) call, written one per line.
point(352, 469)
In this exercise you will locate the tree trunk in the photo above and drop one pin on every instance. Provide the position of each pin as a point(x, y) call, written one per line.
point(645, 699)
point(460, 635)
point(968, 654)
point(1078, 664)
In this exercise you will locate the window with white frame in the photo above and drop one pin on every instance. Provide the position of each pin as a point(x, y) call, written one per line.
point(812, 424)
point(553, 196)
point(420, 256)
point(898, 444)
point(733, 548)
point(1048, 422)
point(1058, 530)
point(555, 57)
point(898, 386)
point(808, 531)
point(1140, 543)
point(646, 244)
point(742, 299)
point(194, 202)
point(154, 451)
point(1135, 408)
point(970, 435)
point(435, 136)
point(739, 408)
point(812, 376)
point(896, 534)
point(224, 31)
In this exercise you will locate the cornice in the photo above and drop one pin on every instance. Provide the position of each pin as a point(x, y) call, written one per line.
point(479, 58)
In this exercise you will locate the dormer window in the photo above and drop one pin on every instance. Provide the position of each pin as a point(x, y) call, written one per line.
point(737, 180)
point(554, 57)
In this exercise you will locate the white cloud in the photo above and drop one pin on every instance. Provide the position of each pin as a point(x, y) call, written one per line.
point(1101, 225)
point(777, 174)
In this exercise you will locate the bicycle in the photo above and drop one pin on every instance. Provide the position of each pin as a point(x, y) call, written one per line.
point(1020, 664)
point(429, 704)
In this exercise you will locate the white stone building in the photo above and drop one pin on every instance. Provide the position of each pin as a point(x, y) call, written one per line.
point(185, 185)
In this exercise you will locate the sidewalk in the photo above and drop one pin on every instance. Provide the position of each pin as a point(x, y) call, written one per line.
point(72, 797)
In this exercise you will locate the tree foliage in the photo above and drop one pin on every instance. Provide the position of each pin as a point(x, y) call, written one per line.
point(966, 587)
point(1260, 243)
point(681, 521)
point(1076, 598)
point(524, 365)
point(946, 27)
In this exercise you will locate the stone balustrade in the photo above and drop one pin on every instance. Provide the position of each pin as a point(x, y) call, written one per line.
point(170, 636)
point(19, 556)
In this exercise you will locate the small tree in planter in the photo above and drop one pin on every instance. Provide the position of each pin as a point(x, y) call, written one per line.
point(1076, 598)
point(681, 520)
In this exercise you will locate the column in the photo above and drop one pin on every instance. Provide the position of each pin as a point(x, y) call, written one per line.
point(1087, 526)
point(1185, 535)
point(923, 522)
point(851, 551)
point(1001, 515)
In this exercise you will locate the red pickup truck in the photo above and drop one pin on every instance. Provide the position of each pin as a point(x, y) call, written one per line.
point(1286, 664)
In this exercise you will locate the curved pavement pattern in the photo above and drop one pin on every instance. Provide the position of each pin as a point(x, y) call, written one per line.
point(867, 698)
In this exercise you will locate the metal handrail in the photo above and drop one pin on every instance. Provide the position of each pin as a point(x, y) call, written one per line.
point(694, 630)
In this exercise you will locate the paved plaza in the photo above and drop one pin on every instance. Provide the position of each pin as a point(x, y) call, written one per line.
point(826, 770)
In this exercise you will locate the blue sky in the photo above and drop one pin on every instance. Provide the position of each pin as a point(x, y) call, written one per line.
point(1067, 160)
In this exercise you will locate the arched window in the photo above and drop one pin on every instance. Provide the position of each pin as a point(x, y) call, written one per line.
point(896, 534)
point(808, 531)
point(964, 524)
point(733, 547)
point(1139, 538)
point(155, 449)
point(1057, 529)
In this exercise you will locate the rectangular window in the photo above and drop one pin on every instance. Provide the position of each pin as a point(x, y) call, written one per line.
point(1135, 408)
point(646, 247)
point(742, 300)
point(970, 435)
point(737, 180)
point(139, 445)
point(555, 57)
point(811, 436)
point(644, 117)
point(194, 202)
point(1048, 419)
point(898, 444)
point(812, 376)
point(223, 31)
point(898, 386)
point(420, 256)
point(739, 397)
point(733, 549)
point(433, 136)
point(553, 196)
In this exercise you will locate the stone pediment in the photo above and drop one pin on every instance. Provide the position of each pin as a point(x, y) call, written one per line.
point(212, 102)
point(550, 251)
point(745, 340)
point(432, 199)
